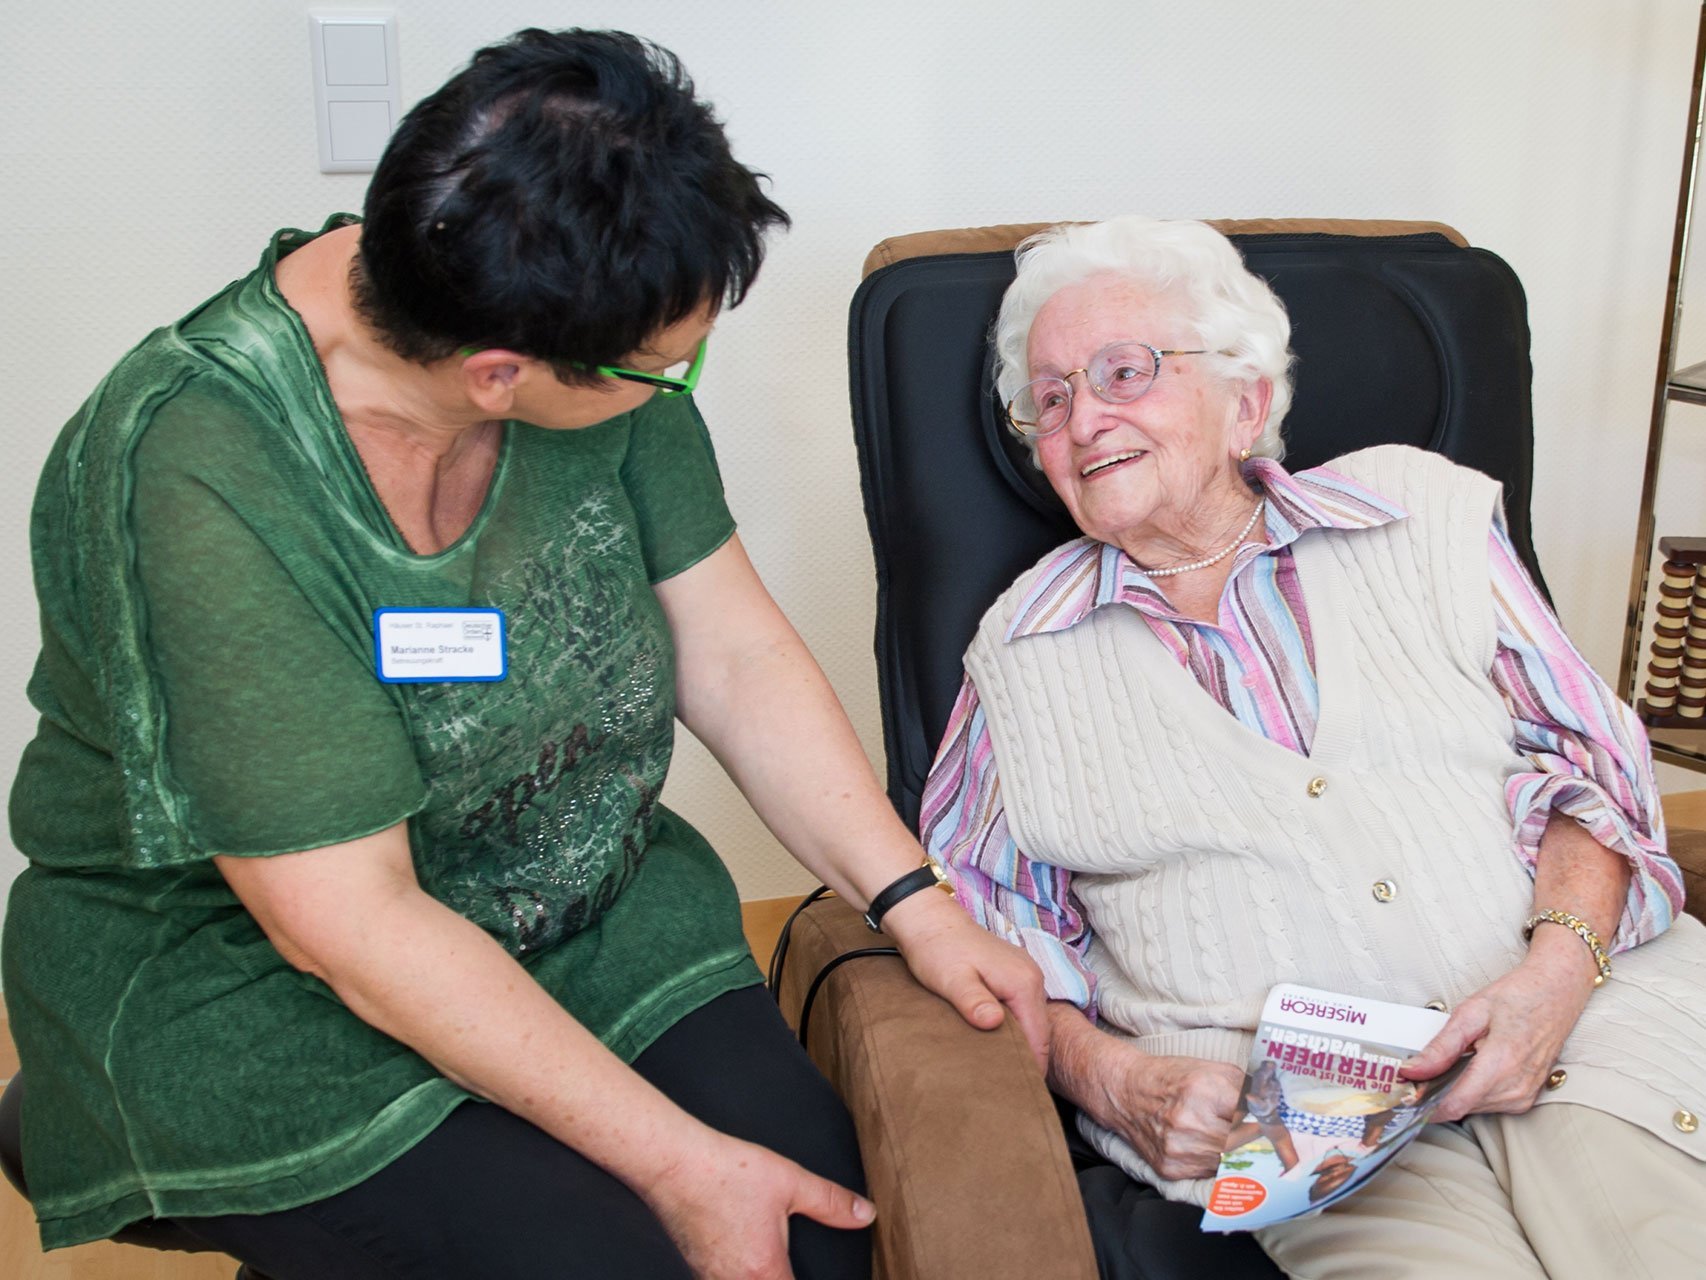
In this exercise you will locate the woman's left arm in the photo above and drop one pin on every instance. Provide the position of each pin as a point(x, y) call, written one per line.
point(747, 687)
point(1517, 1025)
point(1587, 753)
point(1588, 825)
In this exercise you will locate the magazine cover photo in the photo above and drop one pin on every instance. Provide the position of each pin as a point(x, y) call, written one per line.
point(1323, 1106)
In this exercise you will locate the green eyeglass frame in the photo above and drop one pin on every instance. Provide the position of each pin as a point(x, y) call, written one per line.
point(666, 385)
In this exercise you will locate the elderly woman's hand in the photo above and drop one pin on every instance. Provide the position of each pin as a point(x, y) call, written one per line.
point(1516, 1025)
point(1176, 1112)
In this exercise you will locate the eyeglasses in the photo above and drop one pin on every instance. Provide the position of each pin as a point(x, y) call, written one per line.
point(677, 380)
point(1119, 373)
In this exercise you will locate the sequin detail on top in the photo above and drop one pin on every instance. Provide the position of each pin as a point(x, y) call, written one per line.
point(543, 853)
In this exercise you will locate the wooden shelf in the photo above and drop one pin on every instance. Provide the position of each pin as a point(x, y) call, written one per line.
point(1673, 745)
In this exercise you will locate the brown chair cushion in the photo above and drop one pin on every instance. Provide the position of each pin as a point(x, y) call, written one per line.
point(935, 1099)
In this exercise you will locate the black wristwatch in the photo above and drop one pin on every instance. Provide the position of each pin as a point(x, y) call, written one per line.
point(929, 876)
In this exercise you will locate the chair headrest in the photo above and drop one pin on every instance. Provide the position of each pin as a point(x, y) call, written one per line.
point(1006, 237)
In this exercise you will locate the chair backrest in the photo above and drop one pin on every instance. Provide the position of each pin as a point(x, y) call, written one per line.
point(1403, 334)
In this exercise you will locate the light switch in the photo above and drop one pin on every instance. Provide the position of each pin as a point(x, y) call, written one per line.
point(357, 95)
point(359, 130)
point(355, 52)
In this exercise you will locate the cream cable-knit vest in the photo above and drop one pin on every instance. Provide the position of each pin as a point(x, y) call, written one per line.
point(1213, 863)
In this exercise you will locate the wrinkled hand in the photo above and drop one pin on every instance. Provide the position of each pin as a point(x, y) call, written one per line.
point(1516, 1025)
point(970, 968)
point(727, 1206)
point(1177, 1112)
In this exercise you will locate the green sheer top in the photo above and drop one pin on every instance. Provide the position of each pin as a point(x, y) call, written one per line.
point(208, 555)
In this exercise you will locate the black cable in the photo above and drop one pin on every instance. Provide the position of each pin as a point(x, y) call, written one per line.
point(779, 958)
point(780, 953)
point(831, 967)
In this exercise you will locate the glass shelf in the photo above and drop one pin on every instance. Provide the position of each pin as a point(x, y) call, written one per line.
point(1688, 385)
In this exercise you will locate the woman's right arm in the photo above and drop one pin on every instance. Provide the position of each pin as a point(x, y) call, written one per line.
point(354, 916)
point(1176, 1112)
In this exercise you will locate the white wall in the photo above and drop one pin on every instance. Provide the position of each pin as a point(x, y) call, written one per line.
point(148, 150)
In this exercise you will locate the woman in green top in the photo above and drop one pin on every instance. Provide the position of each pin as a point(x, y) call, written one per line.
point(370, 591)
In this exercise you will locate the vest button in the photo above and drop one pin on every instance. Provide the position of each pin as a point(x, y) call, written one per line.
point(1685, 1120)
point(1316, 787)
point(1557, 1078)
point(1385, 890)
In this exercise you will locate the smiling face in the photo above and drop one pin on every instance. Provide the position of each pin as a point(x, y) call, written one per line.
point(1159, 476)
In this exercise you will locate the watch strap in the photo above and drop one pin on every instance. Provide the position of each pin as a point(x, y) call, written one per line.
point(925, 877)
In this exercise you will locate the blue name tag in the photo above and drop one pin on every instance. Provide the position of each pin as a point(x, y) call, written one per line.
point(439, 646)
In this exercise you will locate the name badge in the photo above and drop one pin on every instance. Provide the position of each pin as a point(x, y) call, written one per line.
point(421, 646)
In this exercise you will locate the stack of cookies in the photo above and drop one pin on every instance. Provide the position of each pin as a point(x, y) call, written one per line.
point(1676, 675)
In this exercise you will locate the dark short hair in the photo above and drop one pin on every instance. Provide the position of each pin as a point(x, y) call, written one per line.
point(565, 196)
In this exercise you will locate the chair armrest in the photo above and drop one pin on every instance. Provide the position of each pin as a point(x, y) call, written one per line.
point(958, 1131)
point(1689, 849)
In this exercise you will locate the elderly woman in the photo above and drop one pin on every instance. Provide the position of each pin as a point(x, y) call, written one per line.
point(370, 593)
point(1257, 727)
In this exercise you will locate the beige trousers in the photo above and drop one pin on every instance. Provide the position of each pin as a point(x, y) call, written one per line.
point(1562, 1193)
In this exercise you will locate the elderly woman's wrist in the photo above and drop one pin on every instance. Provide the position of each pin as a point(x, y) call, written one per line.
point(1081, 1058)
point(1124, 1086)
point(1563, 950)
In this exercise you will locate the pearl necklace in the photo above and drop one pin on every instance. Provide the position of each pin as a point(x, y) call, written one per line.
point(1218, 556)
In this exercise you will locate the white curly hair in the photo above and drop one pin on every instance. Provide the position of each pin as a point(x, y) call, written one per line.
point(1229, 311)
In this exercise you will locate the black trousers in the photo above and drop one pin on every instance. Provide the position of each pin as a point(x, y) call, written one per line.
point(487, 1196)
point(1138, 1235)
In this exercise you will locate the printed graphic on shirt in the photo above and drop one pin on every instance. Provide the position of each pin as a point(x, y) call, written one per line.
point(543, 786)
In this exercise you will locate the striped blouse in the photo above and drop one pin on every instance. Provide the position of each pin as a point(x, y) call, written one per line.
point(1587, 753)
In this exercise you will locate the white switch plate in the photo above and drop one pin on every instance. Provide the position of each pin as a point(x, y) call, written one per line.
point(358, 97)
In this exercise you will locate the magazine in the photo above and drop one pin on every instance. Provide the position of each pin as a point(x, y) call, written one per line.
point(1323, 1107)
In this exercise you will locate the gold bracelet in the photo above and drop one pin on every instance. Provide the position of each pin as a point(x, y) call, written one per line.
point(1579, 927)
